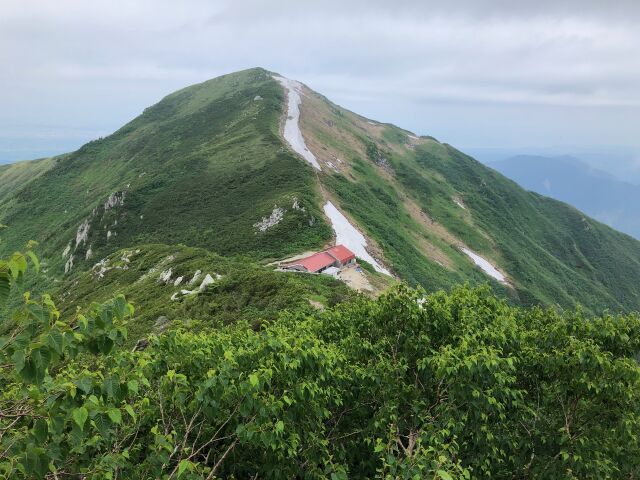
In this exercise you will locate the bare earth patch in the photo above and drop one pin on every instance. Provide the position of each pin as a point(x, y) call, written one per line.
point(356, 280)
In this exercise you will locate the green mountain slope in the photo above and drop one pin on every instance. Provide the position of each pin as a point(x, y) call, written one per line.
point(423, 201)
point(208, 167)
point(200, 168)
point(16, 175)
point(165, 283)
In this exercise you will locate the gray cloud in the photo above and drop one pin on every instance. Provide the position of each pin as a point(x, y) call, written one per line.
point(474, 72)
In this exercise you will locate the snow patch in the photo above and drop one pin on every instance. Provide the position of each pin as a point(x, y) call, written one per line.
point(292, 133)
point(350, 237)
point(485, 265)
point(271, 221)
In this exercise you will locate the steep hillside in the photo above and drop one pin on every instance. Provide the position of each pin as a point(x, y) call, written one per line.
point(597, 193)
point(203, 167)
point(16, 175)
point(426, 204)
point(258, 165)
point(169, 282)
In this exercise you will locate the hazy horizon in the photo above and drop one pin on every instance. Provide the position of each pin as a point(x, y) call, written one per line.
point(484, 76)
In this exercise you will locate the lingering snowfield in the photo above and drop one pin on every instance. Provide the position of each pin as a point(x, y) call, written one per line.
point(292, 133)
point(350, 237)
point(486, 267)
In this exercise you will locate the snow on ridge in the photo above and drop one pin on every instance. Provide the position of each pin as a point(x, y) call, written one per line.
point(485, 265)
point(292, 133)
point(350, 237)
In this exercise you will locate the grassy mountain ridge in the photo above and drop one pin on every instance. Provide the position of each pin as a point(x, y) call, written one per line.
point(207, 167)
point(422, 200)
point(14, 176)
point(201, 167)
point(601, 195)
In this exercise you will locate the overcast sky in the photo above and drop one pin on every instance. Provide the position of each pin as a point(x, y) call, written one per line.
point(476, 74)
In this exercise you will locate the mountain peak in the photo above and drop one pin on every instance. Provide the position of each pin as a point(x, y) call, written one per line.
point(253, 164)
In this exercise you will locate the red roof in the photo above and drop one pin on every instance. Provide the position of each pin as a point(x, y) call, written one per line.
point(315, 262)
point(341, 253)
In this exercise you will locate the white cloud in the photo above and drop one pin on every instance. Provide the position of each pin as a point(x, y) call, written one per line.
point(402, 61)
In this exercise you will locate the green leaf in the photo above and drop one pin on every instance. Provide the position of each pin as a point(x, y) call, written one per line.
point(253, 379)
point(279, 426)
point(444, 475)
point(36, 462)
point(184, 464)
point(17, 264)
point(112, 386)
point(34, 260)
point(132, 386)
point(18, 360)
point(130, 411)
point(55, 340)
point(115, 415)
point(40, 430)
point(5, 284)
point(80, 416)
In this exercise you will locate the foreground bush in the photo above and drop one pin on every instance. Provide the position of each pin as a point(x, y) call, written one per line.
point(407, 386)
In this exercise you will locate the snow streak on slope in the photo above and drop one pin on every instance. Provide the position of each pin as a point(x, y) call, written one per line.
point(484, 264)
point(292, 133)
point(350, 237)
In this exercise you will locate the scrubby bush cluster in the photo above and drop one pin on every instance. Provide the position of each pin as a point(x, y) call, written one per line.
point(410, 385)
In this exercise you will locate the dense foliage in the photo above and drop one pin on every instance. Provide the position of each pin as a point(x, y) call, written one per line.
point(409, 385)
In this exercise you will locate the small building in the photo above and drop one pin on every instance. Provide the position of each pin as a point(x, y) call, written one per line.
point(343, 255)
point(334, 257)
point(331, 271)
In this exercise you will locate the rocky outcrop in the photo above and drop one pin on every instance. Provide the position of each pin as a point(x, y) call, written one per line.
point(271, 221)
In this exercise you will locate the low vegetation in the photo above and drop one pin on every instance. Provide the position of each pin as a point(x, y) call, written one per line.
point(447, 385)
point(241, 289)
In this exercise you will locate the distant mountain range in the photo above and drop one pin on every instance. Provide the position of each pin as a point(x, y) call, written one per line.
point(571, 180)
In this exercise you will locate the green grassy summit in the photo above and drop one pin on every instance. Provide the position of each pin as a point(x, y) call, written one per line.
point(208, 167)
point(201, 167)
